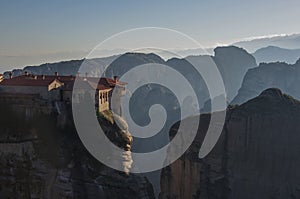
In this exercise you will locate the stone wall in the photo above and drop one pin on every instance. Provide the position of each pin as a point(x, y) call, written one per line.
point(42, 91)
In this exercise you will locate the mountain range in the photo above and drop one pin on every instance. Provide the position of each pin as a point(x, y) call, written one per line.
point(231, 61)
point(289, 41)
point(276, 54)
point(243, 78)
point(253, 143)
point(268, 75)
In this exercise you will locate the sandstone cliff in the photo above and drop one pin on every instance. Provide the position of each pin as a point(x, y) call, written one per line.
point(255, 157)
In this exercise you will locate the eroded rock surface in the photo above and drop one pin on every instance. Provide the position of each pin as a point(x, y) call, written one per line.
point(38, 159)
point(257, 155)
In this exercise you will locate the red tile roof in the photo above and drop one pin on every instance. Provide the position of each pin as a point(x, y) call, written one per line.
point(29, 80)
point(68, 81)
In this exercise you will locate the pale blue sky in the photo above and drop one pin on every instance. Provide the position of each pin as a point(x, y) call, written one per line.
point(34, 27)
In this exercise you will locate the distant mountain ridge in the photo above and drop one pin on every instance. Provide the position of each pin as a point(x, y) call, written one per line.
point(270, 75)
point(233, 62)
point(242, 78)
point(274, 54)
point(291, 41)
point(66, 67)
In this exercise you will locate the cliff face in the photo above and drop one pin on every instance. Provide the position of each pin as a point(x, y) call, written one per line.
point(233, 63)
point(268, 75)
point(38, 159)
point(255, 157)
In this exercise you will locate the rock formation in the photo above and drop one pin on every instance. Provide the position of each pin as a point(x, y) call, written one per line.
point(270, 75)
point(39, 159)
point(233, 63)
point(255, 157)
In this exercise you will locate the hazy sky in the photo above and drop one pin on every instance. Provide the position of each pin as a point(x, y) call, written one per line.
point(39, 28)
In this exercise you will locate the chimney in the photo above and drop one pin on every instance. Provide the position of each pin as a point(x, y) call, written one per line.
point(85, 78)
point(56, 74)
point(116, 78)
point(10, 75)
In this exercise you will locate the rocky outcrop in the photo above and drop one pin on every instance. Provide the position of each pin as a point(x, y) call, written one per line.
point(233, 63)
point(127, 61)
point(270, 75)
point(38, 159)
point(255, 157)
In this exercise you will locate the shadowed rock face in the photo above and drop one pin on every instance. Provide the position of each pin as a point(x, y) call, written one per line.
point(268, 75)
point(233, 63)
point(40, 160)
point(257, 155)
